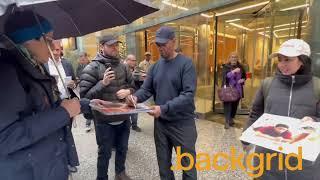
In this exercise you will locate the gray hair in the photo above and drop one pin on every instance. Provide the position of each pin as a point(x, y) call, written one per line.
point(83, 54)
point(129, 55)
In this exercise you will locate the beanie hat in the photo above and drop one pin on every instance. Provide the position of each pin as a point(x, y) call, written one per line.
point(22, 26)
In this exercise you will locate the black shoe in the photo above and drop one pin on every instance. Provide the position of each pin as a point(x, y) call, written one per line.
point(72, 169)
point(226, 126)
point(122, 176)
point(136, 128)
point(232, 124)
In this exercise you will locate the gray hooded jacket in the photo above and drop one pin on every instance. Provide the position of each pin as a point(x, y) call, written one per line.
point(292, 96)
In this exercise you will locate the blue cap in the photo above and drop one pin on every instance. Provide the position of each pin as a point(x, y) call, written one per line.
point(164, 34)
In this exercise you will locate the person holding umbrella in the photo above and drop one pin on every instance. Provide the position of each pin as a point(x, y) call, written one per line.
point(35, 140)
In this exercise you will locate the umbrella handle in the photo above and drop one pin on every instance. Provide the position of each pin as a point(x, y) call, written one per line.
point(56, 66)
point(51, 55)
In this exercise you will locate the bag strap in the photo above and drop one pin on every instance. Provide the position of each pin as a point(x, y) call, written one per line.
point(266, 84)
point(316, 86)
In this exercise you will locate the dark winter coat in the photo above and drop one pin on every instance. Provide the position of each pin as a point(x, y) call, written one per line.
point(35, 141)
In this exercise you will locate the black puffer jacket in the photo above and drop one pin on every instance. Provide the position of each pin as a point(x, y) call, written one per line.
point(91, 86)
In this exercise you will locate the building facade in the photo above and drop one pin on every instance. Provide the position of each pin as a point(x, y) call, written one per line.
point(209, 30)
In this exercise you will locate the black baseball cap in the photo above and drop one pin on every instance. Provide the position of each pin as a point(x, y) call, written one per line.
point(109, 40)
point(164, 34)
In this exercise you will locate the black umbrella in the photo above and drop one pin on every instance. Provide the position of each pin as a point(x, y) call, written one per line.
point(72, 18)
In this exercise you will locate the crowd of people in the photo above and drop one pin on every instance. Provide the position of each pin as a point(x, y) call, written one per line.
point(35, 128)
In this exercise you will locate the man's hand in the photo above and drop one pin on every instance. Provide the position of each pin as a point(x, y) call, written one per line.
point(98, 102)
point(108, 76)
point(307, 119)
point(72, 106)
point(156, 111)
point(143, 76)
point(71, 84)
point(123, 93)
point(132, 100)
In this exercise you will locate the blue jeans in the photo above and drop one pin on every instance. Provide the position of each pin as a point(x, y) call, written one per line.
point(134, 120)
point(107, 136)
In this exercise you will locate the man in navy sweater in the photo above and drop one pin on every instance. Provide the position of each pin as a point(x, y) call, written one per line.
point(172, 83)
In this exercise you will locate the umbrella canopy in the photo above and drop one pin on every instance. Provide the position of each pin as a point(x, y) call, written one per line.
point(72, 18)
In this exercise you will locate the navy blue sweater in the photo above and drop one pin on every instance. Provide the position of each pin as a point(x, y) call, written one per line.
point(173, 85)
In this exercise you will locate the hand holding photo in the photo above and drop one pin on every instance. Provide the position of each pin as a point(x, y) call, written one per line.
point(110, 108)
point(273, 131)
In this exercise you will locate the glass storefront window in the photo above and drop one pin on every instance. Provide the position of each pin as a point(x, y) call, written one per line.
point(254, 34)
point(194, 35)
point(169, 8)
point(253, 29)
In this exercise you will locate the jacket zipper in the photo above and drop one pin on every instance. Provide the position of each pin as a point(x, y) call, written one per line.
point(290, 98)
point(289, 109)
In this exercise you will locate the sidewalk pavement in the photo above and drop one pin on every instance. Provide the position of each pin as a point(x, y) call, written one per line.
point(141, 161)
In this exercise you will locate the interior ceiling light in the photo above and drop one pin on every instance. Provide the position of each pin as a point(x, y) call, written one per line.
point(295, 7)
point(206, 15)
point(242, 8)
point(240, 26)
point(281, 25)
point(174, 5)
point(264, 34)
point(290, 35)
point(218, 14)
point(232, 20)
point(182, 8)
point(275, 35)
point(284, 29)
point(227, 35)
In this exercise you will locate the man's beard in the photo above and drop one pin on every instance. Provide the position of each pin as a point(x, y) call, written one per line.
point(164, 56)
